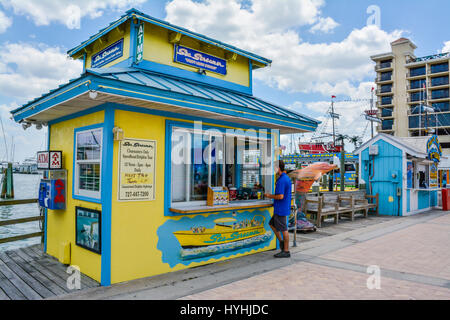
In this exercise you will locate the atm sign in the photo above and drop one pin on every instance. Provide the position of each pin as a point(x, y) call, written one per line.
point(49, 160)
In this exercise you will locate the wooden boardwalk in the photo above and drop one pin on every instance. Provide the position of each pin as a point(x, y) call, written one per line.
point(29, 274)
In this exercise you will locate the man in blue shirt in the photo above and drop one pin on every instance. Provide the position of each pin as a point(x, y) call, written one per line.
point(281, 210)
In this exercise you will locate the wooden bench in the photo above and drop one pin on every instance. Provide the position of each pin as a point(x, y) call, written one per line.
point(344, 203)
point(321, 208)
point(358, 201)
point(340, 204)
point(365, 202)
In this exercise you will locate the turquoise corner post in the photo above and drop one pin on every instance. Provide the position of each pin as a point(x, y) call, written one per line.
point(107, 167)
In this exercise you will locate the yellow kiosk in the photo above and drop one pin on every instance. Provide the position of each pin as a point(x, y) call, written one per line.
point(161, 118)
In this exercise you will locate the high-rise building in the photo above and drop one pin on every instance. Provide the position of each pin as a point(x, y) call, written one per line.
point(413, 93)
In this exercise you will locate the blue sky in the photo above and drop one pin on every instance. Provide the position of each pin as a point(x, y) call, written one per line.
point(309, 66)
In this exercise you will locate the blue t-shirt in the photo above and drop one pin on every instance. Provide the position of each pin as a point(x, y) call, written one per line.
point(283, 186)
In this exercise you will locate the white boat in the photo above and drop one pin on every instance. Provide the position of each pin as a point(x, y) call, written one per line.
point(29, 165)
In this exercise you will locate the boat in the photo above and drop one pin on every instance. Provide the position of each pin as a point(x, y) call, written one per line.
point(318, 148)
point(226, 230)
point(29, 165)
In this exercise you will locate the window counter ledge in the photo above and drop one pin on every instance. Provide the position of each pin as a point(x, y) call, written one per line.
point(238, 205)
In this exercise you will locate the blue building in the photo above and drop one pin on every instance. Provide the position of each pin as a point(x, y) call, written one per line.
point(403, 171)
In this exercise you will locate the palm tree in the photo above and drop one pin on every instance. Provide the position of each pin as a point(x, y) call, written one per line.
point(341, 137)
point(356, 140)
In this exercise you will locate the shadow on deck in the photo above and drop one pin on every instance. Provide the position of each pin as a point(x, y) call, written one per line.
point(29, 274)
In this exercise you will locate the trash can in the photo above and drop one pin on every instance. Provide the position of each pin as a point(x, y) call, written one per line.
point(445, 200)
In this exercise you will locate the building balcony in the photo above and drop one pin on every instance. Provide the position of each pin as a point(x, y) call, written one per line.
point(380, 105)
point(383, 92)
point(438, 69)
point(411, 76)
point(413, 88)
point(410, 100)
point(379, 80)
point(438, 83)
point(430, 120)
point(379, 130)
point(440, 99)
point(387, 66)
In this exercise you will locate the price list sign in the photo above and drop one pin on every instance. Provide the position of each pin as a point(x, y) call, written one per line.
point(137, 170)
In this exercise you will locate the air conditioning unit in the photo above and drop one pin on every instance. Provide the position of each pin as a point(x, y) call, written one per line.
point(373, 150)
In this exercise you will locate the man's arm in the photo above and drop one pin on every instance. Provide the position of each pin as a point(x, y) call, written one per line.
point(274, 196)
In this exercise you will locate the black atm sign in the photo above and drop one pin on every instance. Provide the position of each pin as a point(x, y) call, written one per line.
point(49, 160)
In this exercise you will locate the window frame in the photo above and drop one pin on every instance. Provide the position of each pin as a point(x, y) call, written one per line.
point(170, 125)
point(77, 193)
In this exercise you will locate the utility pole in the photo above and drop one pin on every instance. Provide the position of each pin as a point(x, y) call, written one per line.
point(371, 108)
point(332, 118)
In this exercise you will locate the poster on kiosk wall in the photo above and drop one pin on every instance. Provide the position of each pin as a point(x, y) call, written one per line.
point(137, 170)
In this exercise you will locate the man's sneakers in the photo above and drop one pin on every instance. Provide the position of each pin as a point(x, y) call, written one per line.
point(283, 254)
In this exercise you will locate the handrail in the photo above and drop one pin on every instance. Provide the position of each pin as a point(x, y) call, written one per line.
point(20, 220)
point(17, 202)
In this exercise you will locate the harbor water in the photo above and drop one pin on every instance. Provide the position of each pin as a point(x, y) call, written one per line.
point(25, 187)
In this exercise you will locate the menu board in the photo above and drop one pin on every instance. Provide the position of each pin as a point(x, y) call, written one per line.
point(433, 176)
point(137, 170)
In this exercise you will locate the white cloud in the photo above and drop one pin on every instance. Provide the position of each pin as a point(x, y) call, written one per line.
point(325, 25)
point(271, 28)
point(67, 12)
point(352, 121)
point(28, 71)
point(5, 22)
point(26, 143)
point(446, 47)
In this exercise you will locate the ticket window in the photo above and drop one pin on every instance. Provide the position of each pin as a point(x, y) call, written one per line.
point(422, 176)
point(214, 158)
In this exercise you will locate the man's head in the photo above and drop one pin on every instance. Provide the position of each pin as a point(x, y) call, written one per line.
point(280, 167)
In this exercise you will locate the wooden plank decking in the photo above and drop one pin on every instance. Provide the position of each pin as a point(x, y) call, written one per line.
point(29, 274)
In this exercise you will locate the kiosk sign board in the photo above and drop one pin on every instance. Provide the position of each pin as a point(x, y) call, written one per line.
point(137, 170)
point(107, 55)
point(200, 60)
point(434, 151)
point(49, 160)
point(140, 43)
point(433, 176)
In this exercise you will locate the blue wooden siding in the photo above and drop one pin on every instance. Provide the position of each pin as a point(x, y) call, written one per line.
point(424, 199)
point(387, 162)
point(408, 201)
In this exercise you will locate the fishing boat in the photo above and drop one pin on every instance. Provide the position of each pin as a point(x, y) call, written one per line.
point(226, 230)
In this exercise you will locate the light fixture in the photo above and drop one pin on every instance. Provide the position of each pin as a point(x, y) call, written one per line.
point(201, 71)
point(38, 126)
point(26, 125)
point(93, 94)
point(118, 134)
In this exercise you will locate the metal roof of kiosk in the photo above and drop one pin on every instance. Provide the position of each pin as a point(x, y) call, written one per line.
point(162, 93)
point(145, 89)
point(414, 146)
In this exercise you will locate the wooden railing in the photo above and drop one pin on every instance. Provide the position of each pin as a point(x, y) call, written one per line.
point(19, 221)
